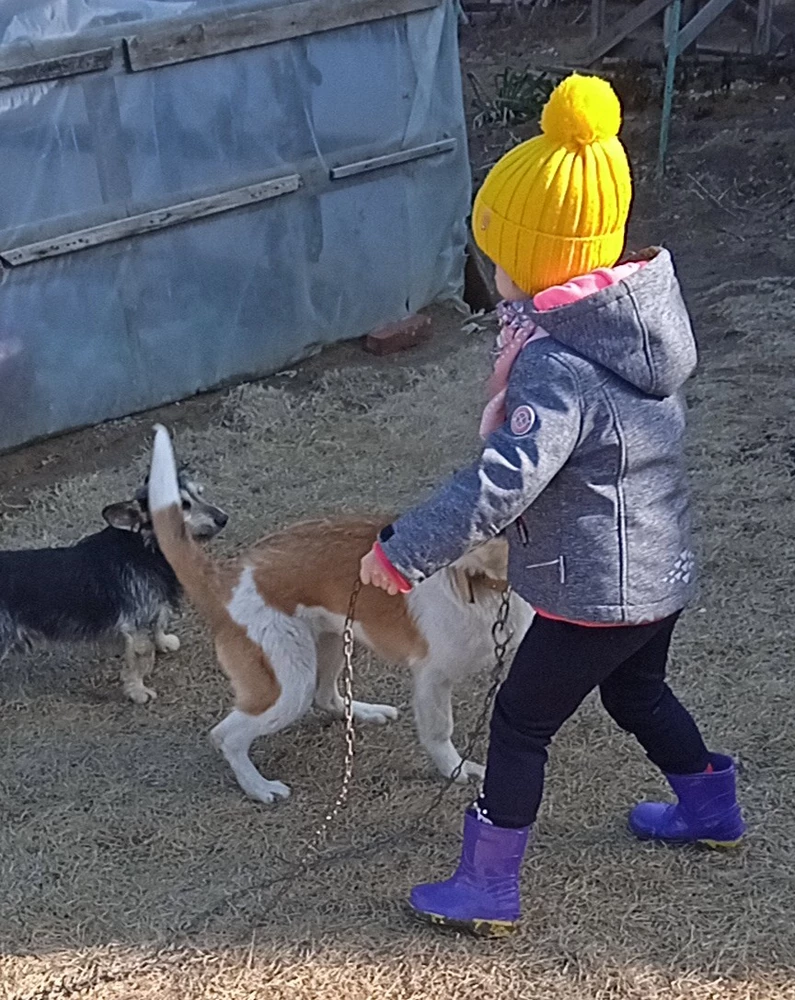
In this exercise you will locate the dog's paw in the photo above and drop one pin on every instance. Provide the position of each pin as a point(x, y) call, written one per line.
point(269, 792)
point(140, 694)
point(374, 715)
point(470, 771)
point(167, 643)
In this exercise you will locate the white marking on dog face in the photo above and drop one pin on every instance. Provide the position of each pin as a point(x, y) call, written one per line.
point(167, 488)
point(204, 520)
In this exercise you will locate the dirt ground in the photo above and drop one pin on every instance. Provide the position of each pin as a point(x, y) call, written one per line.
point(131, 866)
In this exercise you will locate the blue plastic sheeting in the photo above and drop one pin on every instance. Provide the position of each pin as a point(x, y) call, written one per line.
point(36, 20)
point(126, 326)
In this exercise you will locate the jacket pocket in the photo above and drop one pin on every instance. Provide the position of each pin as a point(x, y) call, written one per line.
point(559, 562)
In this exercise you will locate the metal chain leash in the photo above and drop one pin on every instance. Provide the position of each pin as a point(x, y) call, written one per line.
point(501, 636)
point(319, 836)
point(347, 715)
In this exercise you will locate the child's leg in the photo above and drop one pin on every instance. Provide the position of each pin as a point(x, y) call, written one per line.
point(639, 700)
point(556, 666)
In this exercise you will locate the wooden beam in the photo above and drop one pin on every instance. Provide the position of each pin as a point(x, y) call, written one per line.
point(689, 10)
point(635, 19)
point(764, 25)
point(708, 13)
point(147, 222)
point(672, 33)
point(217, 34)
point(391, 159)
point(56, 67)
point(750, 10)
point(597, 18)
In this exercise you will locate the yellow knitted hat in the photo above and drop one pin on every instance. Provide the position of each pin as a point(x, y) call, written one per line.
point(555, 207)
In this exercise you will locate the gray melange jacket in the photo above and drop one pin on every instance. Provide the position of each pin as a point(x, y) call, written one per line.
point(589, 472)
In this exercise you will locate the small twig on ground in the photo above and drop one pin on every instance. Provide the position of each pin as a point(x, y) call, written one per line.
point(730, 232)
point(713, 198)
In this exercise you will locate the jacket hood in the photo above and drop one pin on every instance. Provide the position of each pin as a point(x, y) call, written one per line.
point(638, 328)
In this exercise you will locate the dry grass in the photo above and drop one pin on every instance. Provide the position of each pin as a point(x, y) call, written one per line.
point(133, 867)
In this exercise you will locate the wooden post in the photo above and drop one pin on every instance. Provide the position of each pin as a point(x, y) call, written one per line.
point(597, 18)
point(764, 24)
point(700, 22)
point(667, 27)
point(672, 44)
point(630, 22)
point(689, 11)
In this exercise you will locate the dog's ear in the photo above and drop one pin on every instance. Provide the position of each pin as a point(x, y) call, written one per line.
point(126, 516)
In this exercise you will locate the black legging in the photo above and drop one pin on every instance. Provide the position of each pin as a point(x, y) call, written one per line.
point(555, 667)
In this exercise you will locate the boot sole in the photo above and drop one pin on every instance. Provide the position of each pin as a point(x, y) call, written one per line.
point(721, 845)
point(713, 845)
point(479, 928)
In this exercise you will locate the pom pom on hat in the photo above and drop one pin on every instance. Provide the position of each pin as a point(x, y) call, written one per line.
point(581, 111)
point(555, 207)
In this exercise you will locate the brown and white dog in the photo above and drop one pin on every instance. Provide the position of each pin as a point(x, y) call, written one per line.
point(277, 613)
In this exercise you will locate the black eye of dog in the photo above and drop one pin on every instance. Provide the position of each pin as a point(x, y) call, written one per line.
point(186, 504)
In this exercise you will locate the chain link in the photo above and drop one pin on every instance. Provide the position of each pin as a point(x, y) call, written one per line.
point(501, 635)
point(347, 714)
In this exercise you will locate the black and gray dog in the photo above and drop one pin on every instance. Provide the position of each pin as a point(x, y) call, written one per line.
point(112, 583)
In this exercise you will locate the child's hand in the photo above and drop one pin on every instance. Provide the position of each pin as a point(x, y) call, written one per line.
point(372, 573)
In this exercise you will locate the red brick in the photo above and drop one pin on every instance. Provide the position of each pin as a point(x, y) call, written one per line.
point(400, 336)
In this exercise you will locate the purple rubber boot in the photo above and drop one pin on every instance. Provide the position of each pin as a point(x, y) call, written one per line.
point(483, 894)
point(706, 813)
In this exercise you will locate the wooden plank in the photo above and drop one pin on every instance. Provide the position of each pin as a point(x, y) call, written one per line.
point(55, 68)
point(750, 11)
point(597, 18)
point(708, 13)
point(147, 222)
point(391, 159)
point(635, 19)
point(764, 24)
point(218, 34)
point(689, 10)
point(672, 21)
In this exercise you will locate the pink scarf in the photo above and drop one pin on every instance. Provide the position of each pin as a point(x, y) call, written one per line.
point(516, 332)
point(518, 329)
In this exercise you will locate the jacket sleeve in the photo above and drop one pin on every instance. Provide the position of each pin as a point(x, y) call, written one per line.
point(518, 461)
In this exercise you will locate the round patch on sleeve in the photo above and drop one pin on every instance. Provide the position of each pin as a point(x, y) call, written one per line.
point(523, 420)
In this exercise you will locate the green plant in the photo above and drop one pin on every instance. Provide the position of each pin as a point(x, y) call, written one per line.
point(518, 97)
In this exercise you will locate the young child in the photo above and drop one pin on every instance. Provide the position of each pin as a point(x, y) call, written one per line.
point(583, 467)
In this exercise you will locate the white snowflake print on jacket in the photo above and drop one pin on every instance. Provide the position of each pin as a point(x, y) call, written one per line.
point(683, 567)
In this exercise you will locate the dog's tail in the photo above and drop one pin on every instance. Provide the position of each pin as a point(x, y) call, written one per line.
point(191, 565)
